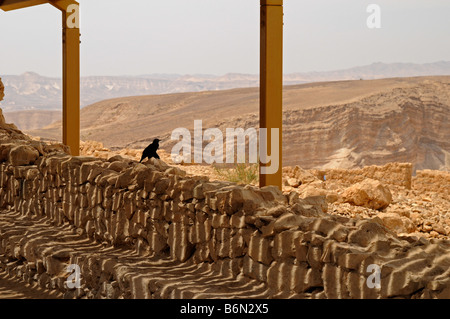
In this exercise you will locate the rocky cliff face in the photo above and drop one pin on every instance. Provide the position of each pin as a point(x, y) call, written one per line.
point(400, 125)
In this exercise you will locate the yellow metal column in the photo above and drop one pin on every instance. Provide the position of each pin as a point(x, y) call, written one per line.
point(71, 74)
point(71, 64)
point(271, 82)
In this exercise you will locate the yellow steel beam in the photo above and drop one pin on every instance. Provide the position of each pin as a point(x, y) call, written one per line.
point(7, 5)
point(271, 84)
point(71, 73)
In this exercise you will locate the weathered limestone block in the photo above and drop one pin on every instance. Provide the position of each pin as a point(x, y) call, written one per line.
point(56, 262)
point(161, 186)
point(32, 173)
point(368, 193)
point(200, 232)
point(19, 172)
point(326, 226)
point(404, 280)
point(175, 171)
point(157, 242)
point(117, 166)
point(228, 267)
point(186, 186)
point(220, 221)
point(311, 207)
point(398, 174)
point(238, 220)
point(104, 178)
point(310, 191)
point(150, 181)
point(137, 231)
point(206, 187)
point(254, 269)
point(299, 176)
point(167, 211)
point(107, 202)
point(117, 200)
point(234, 198)
point(5, 148)
point(340, 283)
point(141, 173)
point(23, 155)
point(314, 257)
point(140, 217)
point(120, 226)
point(129, 204)
point(203, 252)
point(287, 221)
point(124, 178)
point(89, 171)
point(158, 164)
point(92, 195)
point(367, 232)
point(221, 240)
point(70, 168)
point(272, 195)
point(432, 181)
point(284, 244)
point(352, 259)
point(48, 165)
point(118, 158)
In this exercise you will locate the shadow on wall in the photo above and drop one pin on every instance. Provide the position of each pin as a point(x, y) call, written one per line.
point(2, 88)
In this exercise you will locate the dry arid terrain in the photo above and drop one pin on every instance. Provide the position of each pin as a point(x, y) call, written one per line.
point(346, 124)
point(365, 182)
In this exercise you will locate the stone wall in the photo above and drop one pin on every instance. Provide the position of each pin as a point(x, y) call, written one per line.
point(398, 174)
point(289, 245)
point(432, 181)
point(2, 88)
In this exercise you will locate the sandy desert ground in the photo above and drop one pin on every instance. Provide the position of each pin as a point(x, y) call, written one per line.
point(344, 124)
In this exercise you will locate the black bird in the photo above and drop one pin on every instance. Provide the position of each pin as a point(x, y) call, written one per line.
point(150, 151)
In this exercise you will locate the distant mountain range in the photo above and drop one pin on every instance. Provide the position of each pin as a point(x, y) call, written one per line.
point(30, 91)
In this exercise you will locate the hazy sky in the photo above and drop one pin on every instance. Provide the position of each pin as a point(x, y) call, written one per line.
point(222, 36)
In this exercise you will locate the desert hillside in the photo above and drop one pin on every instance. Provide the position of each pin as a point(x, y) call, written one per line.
point(345, 124)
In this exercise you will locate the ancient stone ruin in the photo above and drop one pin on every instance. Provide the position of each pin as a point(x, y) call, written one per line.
point(149, 231)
